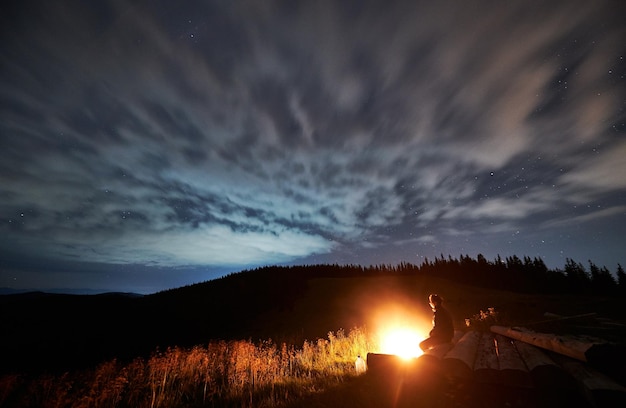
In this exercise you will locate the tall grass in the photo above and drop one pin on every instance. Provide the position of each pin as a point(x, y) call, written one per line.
point(219, 374)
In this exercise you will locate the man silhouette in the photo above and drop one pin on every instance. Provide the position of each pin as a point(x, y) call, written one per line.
point(443, 328)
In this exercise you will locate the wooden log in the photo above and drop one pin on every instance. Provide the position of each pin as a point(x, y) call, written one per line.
point(441, 350)
point(437, 352)
point(430, 363)
point(513, 370)
point(391, 365)
point(570, 347)
point(385, 365)
point(603, 355)
point(552, 385)
point(459, 361)
point(556, 317)
point(546, 374)
point(458, 335)
point(486, 365)
point(599, 389)
point(508, 356)
point(500, 378)
point(609, 322)
point(389, 370)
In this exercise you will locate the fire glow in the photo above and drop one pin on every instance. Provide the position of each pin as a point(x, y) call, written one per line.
point(401, 341)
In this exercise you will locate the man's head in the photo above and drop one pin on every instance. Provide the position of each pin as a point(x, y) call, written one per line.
point(435, 300)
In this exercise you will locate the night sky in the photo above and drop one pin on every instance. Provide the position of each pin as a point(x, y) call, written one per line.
point(147, 145)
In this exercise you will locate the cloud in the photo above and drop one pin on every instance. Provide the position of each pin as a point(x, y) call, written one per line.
point(592, 215)
point(210, 245)
point(600, 172)
point(170, 134)
point(497, 208)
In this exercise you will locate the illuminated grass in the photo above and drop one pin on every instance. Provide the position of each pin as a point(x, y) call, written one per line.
point(219, 374)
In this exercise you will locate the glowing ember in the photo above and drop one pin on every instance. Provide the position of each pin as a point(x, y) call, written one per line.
point(403, 342)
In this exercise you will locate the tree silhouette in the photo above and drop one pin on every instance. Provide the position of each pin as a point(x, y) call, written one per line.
point(577, 277)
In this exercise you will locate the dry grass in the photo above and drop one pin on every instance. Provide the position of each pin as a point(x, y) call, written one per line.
point(220, 374)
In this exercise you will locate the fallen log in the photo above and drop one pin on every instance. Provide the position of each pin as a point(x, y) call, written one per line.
point(419, 373)
point(566, 345)
point(386, 365)
point(609, 322)
point(512, 369)
point(393, 366)
point(486, 365)
point(439, 351)
point(605, 356)
point(500, 376)
point(544, 371)
point(557, 317)
point(398, 382)
point(599, 389)
point(459, 362)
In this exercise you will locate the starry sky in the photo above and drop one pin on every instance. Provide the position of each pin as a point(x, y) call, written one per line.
point(147, 145)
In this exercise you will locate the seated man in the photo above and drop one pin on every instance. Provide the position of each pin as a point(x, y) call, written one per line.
point(443, 328)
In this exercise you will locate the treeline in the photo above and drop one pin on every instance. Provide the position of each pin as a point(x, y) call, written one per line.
point(523, 275)
point(528, 275)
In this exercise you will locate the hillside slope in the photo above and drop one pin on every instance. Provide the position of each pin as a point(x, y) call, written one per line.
point(59, 332)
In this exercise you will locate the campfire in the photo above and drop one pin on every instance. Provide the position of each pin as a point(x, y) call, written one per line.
point(401, 341)
point(399, 328)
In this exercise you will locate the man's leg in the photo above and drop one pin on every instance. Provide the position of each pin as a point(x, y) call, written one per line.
point(427, 343)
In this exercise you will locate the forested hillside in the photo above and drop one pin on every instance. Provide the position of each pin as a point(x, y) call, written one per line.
point(286, 303)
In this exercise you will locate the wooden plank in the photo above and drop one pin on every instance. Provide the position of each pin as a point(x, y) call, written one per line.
point(459, 361)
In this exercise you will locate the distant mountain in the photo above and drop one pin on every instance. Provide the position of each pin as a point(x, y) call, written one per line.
point(64, 291)
point(11, 291)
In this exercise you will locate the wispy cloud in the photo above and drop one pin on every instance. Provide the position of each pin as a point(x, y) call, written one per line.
point(243, 132)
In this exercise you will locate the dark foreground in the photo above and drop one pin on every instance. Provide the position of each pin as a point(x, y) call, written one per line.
point(395, 390)
point(431, 381)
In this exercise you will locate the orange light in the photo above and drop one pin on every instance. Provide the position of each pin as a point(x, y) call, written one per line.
point(400, 325)
point(401, 341)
